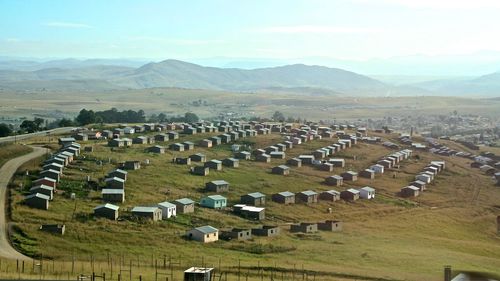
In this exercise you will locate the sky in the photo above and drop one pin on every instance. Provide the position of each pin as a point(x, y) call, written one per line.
point(279, 29)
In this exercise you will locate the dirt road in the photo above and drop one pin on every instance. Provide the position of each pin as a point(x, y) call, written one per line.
point(6, 173)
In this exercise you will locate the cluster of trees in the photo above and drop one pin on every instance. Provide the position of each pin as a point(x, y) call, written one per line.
point(27, 126)
point(188, 117)
point(110, 116)
point(5, 130)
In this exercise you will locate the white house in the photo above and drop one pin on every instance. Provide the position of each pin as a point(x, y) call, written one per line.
point(168, 209)
point(379, 169)
point(129, 130)
point(423, 177)
point(205, 234)
point(367, 192)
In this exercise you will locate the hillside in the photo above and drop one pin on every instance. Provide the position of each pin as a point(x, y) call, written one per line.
point(174, 73)
point(486, 85)
point(387, 238)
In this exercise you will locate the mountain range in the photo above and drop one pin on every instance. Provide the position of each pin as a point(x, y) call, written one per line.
point(101, 74)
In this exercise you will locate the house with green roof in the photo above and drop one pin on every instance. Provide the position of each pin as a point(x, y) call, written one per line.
point(214, 202)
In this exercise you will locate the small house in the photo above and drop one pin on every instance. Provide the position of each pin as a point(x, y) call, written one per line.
point(113, 195)
point(296, 162)
point(132, 165)
point(52, 174)
point(334, 180)
point(156, 149)
point(307, 197)
point(151, 213)
point(307, 159)
point(200, 170)
point(350, 194)
point(198, 157)
point(118, 173)
point(263, 158)
point(217, 186)
point(250, 212)
point(367, 192)
point(329, 195)
point(410, 191)
point(277, 155)
point(304, 227)
point(172, 135)
point(188, 145)
point(107, 210)
point(266, 230)
point(225, 138)
point(115, 183)
point(43, 189)
point(377, 168)
point(215, 141)
point(424, 178)
point(328, 167)
point(367, 173)
point(168, 210)
point(161, 137)
point(182, 160)
point(349, 176)
point(205, 143)
point(177, 147)
point(420, 184)
point(66, 141)
point(53, 228)
point(236, 234)
point(253, 199)
point(214, 202)
point(245, 155)
point(184, 205)
point(285, 197)
point(205, 234)
point(37, 200)
point(330, 225)
point(281, 170)
point(46, 181)
point(140, 140)
point(231, 162)
point(214, 165)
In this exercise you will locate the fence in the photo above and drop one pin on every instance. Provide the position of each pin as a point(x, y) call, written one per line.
point(164, 268)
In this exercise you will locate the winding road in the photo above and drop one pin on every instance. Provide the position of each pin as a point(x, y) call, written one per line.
point(6, 173)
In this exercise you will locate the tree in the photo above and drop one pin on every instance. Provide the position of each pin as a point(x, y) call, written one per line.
point(85, 117)
point(28, 126)
point(191, 117)
point(278, 116)
point(4, 130)
point(66, 123)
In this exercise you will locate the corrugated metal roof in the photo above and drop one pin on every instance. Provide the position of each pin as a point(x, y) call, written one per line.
point(107, 206)
point(216, 197)
point(286, 193)
point(144, 209)
point(309, 192)
point(38, 195)
point(219, 182)
point(185, 201)
point(112, 191)
point(166, 204)
point(256, 195)
point(369, 189)
point(207, 229)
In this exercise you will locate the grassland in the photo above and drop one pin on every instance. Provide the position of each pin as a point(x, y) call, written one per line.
point(10, 150)
point(51, 104)
point(389, 237)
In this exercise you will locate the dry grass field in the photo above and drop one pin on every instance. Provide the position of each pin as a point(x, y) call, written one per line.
point(389, 238)
point(10, 150)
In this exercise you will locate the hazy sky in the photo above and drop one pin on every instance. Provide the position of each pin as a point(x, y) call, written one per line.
point(356, 29)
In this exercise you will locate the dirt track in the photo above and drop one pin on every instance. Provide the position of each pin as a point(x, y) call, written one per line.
point(6, 173)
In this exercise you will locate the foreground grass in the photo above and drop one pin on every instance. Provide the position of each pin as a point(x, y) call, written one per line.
point(389, 237)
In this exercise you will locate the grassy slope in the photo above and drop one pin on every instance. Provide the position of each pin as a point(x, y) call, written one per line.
point(386, 237)
point(10, 151)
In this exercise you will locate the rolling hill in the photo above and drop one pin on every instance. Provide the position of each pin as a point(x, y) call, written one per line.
point(174, 73)
point(486, 85)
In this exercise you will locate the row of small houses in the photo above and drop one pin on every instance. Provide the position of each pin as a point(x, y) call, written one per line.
point(487, 163)
point(208, 234)
point(43, 189)
point(422, 179)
